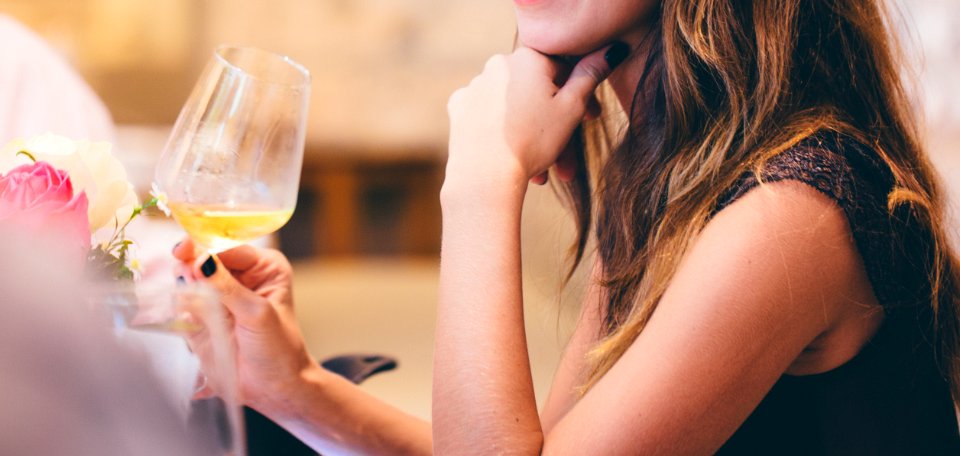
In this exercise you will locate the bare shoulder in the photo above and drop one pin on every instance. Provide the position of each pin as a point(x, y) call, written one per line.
point(773, 284)
point(779, 221)
point(790, 236)
point(782, 255)
point(785, 207)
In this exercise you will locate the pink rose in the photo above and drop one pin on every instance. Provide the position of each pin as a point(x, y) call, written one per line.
point(38, 199)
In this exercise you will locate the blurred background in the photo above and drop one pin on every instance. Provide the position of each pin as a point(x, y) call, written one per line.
point(382, 71)
point(365, 236)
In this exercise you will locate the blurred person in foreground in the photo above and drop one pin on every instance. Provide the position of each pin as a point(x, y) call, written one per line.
point(41, 93)
point(772, 273)
point(67, 387)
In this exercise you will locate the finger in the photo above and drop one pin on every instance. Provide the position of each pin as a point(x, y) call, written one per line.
point(183, 272)
point(566, 165)
point(247, 307)
point(455, 100)
point(240, 258)
point(541, 179)
point(542, 64)
point(185, 250)
point(591, 70)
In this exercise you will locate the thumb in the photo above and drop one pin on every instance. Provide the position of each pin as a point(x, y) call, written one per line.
point(591, 70)
point(244, 304)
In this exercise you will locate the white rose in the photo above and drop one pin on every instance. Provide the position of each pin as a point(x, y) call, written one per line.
point(92, 170)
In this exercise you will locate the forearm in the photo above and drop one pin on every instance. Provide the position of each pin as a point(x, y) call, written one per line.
point(334, 416)
point(483, 400)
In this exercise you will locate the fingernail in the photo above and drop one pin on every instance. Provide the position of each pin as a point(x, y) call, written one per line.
point(616, 54)
point(181, 280)
point(174, 249)
point(208, 267)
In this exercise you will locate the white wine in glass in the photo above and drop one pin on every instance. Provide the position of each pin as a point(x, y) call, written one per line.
point(231, 168)
point(220, 228)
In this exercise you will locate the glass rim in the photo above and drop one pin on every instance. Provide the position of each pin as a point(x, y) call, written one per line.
point(220, 51)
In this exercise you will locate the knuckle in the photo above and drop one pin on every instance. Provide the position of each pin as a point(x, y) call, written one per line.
point(278, 258)
point(456, 98)
point(531, 58)
point(494, 62)
point(526, 53)
point(476, 81)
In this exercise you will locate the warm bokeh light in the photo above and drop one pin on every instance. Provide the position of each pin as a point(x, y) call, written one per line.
point(367, 227)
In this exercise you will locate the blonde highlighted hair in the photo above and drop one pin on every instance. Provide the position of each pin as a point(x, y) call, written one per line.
point(727, 85)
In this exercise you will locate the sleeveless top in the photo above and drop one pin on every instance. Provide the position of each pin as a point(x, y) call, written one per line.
point(891, 398)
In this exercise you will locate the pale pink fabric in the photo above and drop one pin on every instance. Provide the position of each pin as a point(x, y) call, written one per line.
point(40, 92)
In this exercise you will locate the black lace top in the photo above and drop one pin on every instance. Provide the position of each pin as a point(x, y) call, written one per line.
point(891, 399)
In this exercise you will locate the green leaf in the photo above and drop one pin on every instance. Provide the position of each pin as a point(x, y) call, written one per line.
point(125, 273)
point(102, 265)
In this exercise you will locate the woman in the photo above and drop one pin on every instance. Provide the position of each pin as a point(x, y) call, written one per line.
point(772, 274)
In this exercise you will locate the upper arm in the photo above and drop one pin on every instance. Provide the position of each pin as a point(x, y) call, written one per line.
point(765, 277)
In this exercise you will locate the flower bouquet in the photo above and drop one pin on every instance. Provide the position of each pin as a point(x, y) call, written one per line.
point(73, 199)
point(75, 193)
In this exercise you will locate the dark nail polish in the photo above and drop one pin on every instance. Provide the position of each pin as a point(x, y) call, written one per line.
point(209, 267)
point(181, 280)
point(616, 54)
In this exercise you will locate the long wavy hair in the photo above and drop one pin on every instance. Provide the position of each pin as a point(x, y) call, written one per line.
point(726, 85)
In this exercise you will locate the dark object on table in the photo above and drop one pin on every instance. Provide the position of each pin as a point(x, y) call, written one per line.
point(266, 438)
point(358, 368)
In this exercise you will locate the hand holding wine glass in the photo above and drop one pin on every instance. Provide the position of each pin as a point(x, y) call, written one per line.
point(231, 168)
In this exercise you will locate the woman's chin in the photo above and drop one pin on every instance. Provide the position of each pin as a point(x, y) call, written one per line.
point(558, 45)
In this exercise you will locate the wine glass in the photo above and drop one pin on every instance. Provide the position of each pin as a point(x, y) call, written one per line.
point(231, 168)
